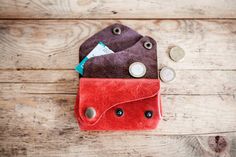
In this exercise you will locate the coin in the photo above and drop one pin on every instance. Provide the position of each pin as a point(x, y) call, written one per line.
point(167, 74)
point(177, 54)
point(137, 69)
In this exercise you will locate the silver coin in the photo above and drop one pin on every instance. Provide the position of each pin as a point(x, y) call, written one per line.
point(167, 74)
point(177, 54)
point(137, 69)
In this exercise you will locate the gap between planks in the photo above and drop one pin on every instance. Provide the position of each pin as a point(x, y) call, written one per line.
point(59, 81)
point(102, 19)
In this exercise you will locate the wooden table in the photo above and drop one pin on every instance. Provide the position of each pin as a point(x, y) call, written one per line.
point(39, 43)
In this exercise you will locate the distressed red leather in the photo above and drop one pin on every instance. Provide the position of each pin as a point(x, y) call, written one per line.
point(134, 96)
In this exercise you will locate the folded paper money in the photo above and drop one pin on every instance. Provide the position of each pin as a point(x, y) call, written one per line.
point(110, 97)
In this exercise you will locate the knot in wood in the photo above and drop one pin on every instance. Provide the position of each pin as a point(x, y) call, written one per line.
point(217, 143)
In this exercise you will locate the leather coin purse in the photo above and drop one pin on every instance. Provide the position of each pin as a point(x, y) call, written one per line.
point(121, 90)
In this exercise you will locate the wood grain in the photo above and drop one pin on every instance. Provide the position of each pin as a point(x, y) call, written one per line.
point(55, 44)
point(38, 84)
point(104, 144)
point(132, 9)
point(38, 76)
point(44, 125)
point(192, 82)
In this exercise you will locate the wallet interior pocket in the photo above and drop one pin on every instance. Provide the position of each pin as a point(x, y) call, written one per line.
point(116, 65)
point(138, 99)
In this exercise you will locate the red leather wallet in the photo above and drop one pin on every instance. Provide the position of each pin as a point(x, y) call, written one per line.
point(119, 104)
point(109, 96)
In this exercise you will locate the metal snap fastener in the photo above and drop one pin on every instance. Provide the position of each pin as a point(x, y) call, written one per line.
point(148, 45)
point(148, 114)
point(116, 31)
point(137, 69)
point(90, 112)
point(119, 112)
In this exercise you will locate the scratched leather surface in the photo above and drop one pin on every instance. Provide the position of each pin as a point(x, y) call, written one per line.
point(134, 96)
point(128, 48)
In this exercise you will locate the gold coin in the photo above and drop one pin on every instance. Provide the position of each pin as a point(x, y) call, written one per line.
point(177, 54)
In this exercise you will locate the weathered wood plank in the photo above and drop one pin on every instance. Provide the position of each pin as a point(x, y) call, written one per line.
point(38, 76)
point(104, 144)
point(50, 114)
point(55, 44)
point(65, 81)
point(90, 9)
point(44, 125)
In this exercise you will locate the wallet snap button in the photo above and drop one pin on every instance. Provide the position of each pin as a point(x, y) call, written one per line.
point(148, 45)
point(90, 112)
point(148, 114)
point(116, 31)
point(137, 69)
point(119, 112)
